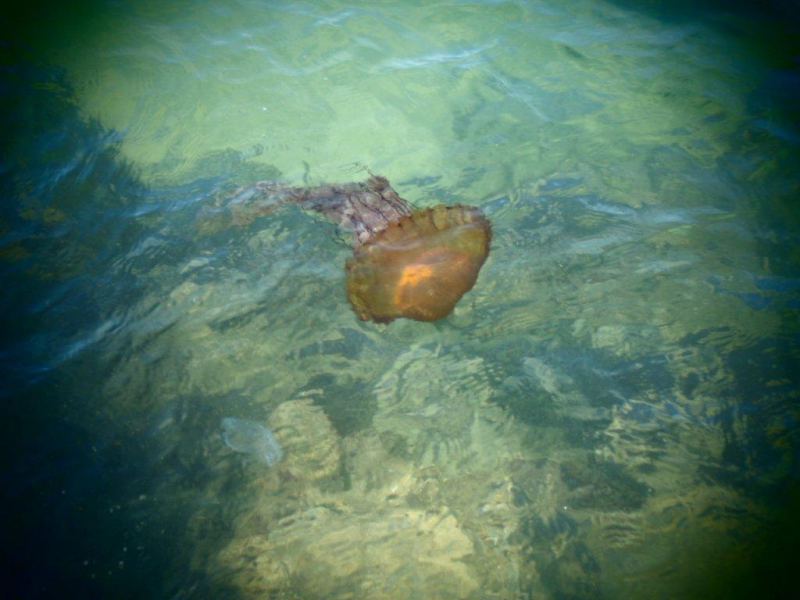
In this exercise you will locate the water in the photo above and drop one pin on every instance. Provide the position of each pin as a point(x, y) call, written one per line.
point(610, 412)
point(249, 437)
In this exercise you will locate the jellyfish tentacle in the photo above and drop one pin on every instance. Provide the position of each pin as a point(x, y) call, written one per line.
point(363, 208)
point(262, 198)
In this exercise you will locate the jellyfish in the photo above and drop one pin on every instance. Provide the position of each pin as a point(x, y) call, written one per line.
point(406, 263)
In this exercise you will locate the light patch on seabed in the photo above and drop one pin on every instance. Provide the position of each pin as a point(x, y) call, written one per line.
point(268, 78)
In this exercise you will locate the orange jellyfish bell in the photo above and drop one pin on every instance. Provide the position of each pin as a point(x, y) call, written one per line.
point(420, 266)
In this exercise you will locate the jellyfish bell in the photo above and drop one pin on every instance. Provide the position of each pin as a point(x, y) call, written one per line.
point(419, 266)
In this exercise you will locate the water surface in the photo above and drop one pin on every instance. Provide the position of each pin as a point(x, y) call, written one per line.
point(610, 412)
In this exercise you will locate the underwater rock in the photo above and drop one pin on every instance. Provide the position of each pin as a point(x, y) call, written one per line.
point(431, 404)
point(420, 516)
point(603, 485)
point(327, 553)
point(310, 442)
point(249, 437)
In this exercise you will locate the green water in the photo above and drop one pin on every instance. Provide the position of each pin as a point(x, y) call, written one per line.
point(610, 412)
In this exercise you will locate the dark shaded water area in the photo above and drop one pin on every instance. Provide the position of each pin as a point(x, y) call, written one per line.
point(611, 412)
